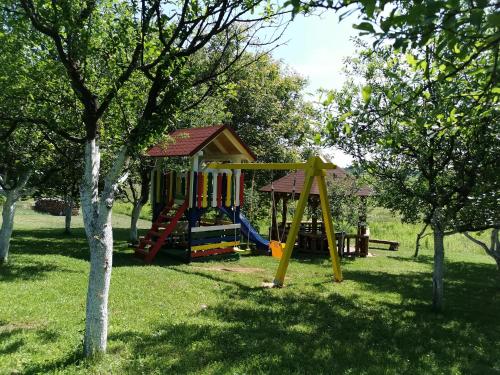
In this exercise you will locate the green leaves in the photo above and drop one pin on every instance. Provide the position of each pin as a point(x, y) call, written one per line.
point(364, 26)
point(494, 19)
point(411, 59)
point(329, 98)
point(366, 93)
point(369, 7)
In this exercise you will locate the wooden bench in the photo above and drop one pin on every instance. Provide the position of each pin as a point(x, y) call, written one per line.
point(393, 245)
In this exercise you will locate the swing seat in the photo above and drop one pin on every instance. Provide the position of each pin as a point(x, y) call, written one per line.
point(277, 249)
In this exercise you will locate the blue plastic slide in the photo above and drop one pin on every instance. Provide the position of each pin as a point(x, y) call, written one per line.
point(247, 230)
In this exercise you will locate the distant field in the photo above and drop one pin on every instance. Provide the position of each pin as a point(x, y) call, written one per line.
point(215, 317)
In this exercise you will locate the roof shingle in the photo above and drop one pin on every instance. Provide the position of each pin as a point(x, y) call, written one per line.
point(186, 142)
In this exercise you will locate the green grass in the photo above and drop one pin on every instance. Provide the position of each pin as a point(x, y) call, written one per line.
point(124, 208)
point(177, 318)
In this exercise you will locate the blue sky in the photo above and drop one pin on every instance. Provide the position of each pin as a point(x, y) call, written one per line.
point(315, 48)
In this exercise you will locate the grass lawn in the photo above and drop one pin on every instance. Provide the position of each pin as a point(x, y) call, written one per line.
point(215, 317)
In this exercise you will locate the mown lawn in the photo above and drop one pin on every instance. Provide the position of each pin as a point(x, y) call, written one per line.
point(215, 317)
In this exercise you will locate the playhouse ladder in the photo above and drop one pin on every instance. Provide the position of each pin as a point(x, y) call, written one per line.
point(151, 243)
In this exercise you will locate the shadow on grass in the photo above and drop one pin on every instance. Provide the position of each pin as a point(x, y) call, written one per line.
point(255, 330)
point(13, 271)
point(72, 358)
point(12, 336)
point(55, 242)
point(425, 259)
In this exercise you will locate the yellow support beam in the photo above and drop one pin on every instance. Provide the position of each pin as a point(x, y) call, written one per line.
point(328, 222)
point(294, 229)
point(270, 166)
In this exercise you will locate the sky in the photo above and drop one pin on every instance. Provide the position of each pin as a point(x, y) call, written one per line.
point(315, 47)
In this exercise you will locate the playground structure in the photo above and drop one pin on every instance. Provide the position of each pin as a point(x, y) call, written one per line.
point(181, 199)
point(214, 181)
point(312, 235)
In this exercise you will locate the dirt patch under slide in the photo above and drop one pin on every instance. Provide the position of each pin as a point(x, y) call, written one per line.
point(231, 269)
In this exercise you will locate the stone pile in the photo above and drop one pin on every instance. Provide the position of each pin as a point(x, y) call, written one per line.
point(54, 206)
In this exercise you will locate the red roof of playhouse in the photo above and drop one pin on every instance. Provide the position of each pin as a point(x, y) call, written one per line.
point(286, 184)
point(216, 140)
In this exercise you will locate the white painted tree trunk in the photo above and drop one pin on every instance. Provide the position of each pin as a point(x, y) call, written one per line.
point(97, 210)
point(134, 238)
point(8, 211)
point(438, 273)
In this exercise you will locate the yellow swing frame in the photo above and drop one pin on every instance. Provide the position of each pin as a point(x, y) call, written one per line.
point(315, 167)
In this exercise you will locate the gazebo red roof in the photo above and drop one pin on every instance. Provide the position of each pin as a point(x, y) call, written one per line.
point(286, 183)
point(187, 142)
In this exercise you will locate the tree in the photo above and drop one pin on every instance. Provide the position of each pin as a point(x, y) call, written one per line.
point(26, 160)
point(137, 191)
point(345, 203)
point(460, 33)
point(434, 156)
point(65, 182)
point(104, 47)
point(25, 163)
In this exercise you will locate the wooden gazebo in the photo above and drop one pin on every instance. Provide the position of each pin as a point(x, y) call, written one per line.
point(311, 238)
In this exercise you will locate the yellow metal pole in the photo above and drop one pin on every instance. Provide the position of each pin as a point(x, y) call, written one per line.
point(327, 221)
point(294, 229)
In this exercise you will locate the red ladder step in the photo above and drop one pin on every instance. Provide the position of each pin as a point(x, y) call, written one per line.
point(160, 231)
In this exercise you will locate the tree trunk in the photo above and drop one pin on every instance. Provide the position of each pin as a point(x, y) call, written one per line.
point(68, 214)
point(8, 211)
point(494, 249)
point(420, 235)
point(438, 274)
point(98, 227)
point(143, 199)
point(134, 238)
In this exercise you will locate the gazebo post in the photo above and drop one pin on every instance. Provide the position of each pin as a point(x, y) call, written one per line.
point(363, 236)
point(284, 211)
